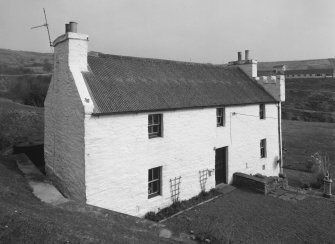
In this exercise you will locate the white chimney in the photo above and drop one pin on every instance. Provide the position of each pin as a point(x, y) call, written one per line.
point(249, 66)
point(70, 60)
point(71, 48)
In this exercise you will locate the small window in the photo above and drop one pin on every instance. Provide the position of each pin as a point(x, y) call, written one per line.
point(263, 148)
point(262, 111)
point(155, 125)
point(154, 182)
point(220, 117)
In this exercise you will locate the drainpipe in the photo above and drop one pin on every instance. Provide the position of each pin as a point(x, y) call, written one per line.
point(280, 139)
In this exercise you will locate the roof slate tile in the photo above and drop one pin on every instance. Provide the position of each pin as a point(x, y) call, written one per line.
point(120, 84)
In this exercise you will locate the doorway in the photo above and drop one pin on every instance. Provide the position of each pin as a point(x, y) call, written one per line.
point(221, 165)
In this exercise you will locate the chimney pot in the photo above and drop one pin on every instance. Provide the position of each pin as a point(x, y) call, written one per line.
point(239, 56)
point(246, 54)
point(73, 27)
point(67, 28)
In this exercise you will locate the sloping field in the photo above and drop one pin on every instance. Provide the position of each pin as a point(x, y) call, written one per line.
point(19, 123)
point(310, 99)
point(13, 57)
point(25, 219)
point(303, 139)
point(299, 64)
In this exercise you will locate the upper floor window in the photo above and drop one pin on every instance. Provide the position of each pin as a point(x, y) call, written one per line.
point(262, 111)
point(155, 125)
point(263, 148)
point(220, 117)
point(154, 182)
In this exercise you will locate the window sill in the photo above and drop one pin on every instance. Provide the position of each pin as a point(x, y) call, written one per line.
point(153, 197)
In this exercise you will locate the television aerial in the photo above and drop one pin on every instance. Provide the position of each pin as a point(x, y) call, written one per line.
point(47, 26)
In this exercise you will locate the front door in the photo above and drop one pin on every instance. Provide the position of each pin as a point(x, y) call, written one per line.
point(221, 163)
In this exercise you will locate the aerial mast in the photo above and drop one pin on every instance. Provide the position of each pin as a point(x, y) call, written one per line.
point(47, 26)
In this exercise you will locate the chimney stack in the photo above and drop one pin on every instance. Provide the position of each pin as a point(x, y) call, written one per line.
point(246, 55)
point(239, 56)
point(71, 27)
point(71, 47)
point(248, 66)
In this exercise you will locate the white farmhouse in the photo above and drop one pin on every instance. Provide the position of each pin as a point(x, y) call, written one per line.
point(133, 134)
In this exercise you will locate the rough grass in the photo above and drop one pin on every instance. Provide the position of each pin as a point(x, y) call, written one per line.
point(300, 141)
point(19, 123)
point(303, 139)
point(311, 99)
point(247, 217)
point(25, 219)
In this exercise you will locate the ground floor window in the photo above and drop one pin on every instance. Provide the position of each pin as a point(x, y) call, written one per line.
point(154, 182)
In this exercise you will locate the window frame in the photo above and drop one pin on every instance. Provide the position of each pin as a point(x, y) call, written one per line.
point(153, 181)
point(155, 122)
point(220, 118)
point(263, 150)
point(262, 111)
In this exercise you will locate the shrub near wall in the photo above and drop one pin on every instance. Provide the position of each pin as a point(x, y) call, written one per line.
point(181, 205)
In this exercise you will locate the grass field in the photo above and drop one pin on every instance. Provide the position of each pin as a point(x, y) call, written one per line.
point(303, 139)
point(247, 217)
point(25, 219)
point(310, 99)
point(19, 123)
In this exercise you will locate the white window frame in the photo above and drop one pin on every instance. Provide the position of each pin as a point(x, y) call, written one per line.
point(155, 122)
point(154, 178)
point(220, 117)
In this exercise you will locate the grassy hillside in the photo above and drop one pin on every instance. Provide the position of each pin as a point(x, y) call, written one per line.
point(310, 99)
point(303, 139)
point(22, 62)
point(25, 219)
point(299, 64)
point(19, 123)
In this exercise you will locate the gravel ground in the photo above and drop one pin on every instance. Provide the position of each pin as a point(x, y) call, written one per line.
point(247, 217)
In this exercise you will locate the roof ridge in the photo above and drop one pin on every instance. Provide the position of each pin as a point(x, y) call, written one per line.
point(158, 60)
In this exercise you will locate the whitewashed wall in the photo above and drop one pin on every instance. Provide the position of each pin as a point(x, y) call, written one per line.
point(64, 113)
point(119, 153)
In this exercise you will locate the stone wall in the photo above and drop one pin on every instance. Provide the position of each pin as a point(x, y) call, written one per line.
point(64, 118)
point(259, 183)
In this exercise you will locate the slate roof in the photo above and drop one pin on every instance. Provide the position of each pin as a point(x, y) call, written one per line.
point(120, 84)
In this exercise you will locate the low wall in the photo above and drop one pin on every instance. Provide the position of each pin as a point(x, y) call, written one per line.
point(259, 183)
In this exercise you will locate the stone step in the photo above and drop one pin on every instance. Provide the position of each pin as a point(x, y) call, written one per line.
point(42, 188)
point(224, 188)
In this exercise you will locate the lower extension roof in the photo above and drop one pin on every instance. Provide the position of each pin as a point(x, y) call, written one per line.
point(120, 84)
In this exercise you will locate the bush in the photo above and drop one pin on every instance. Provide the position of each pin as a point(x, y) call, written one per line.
point(181, 205)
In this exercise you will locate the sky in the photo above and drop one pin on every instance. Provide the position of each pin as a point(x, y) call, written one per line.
point(211, 31)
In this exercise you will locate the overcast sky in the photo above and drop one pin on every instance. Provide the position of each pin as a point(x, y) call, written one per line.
point(197, 30)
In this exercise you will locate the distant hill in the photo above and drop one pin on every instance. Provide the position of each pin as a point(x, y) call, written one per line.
point(328, 63)
point(22, 62)
point(25, 77)
point(311, 99)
